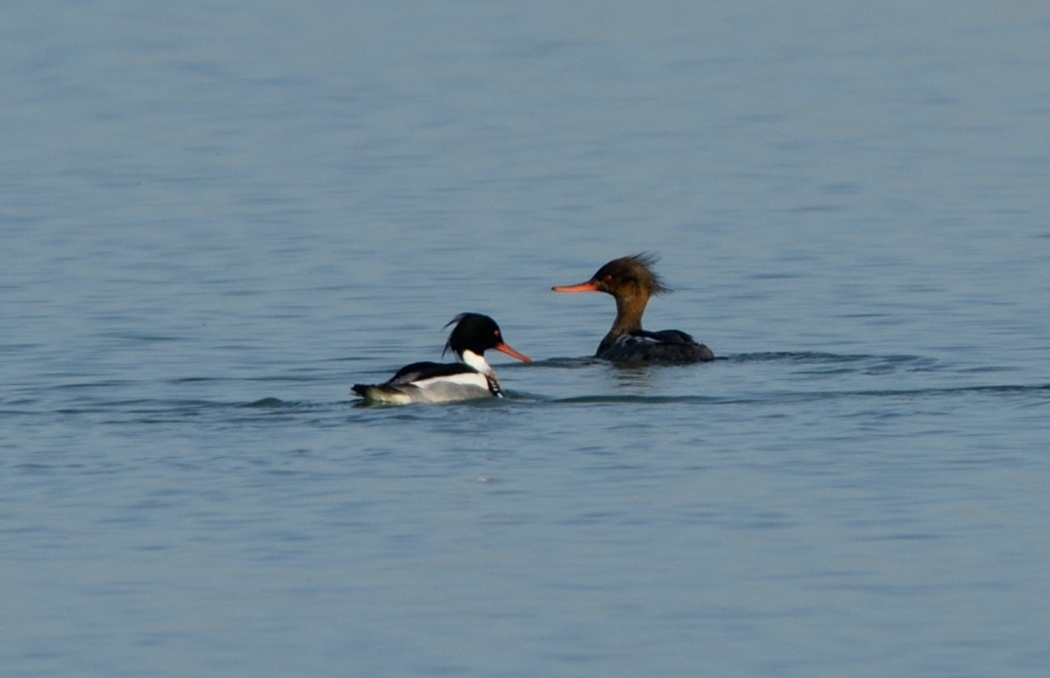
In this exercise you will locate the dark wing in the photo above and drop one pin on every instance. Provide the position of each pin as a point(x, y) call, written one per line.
point(665, 346)
point(427, 370)
point(665, 336)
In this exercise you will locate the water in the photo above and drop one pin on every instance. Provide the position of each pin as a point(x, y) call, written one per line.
point(216, 217)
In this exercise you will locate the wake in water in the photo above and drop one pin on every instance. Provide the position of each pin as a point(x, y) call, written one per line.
point(804, 369)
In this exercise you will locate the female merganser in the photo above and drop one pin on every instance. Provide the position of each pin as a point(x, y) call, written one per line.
point(471, 377)
point(632, 281)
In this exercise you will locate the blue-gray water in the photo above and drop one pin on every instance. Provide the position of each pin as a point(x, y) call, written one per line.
point(217, 216)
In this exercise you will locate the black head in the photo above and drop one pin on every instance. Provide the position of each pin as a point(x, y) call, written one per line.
point(474, 332)
point(477, 333)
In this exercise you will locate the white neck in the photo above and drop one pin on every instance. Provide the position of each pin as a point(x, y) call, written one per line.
point(477, 362)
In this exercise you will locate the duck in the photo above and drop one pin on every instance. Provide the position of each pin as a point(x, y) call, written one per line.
point(631, 280)
point(471, 377)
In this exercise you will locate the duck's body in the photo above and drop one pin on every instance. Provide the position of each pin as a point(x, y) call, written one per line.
point(631, 281)
point(665, 346)
point(427, 382)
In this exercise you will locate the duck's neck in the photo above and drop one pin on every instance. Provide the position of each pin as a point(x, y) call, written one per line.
point(629, 310)
point(476, 361)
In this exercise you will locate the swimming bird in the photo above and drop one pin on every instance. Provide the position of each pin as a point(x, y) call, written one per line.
point(471, 377)
point(631, 281)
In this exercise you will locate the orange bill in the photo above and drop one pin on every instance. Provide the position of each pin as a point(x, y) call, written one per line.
point(504, 348)
point(589, 286)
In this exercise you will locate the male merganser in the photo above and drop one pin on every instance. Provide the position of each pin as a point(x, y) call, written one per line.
point(632, 281)
point(428, 382)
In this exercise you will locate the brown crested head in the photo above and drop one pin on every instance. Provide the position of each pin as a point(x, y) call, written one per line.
point(631, 281)
point(630, 275)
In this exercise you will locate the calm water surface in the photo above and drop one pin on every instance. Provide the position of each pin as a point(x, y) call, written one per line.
point(216, 218)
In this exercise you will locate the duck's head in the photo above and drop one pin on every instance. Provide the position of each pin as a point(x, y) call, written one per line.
point(474, 334)
point(624, 278)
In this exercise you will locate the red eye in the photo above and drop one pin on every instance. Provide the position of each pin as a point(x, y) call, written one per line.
point(608, 277)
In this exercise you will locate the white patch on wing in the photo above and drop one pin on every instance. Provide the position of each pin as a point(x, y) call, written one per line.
point(632, 340)
point(465, 385)
point(464, 379)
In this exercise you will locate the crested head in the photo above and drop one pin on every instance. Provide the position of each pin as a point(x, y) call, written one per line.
point(631, 281)
point(634, 272)
point(473, 332)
